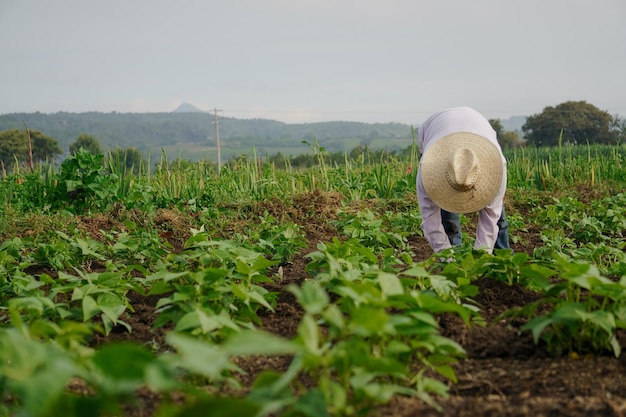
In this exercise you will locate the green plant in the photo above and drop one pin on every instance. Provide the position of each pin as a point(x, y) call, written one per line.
point(137, 245)
point(370, 230)
point(578, 313)
point(279, 241)
point(365, 354)
point(83, 184)
point(222, 294)
point(33, 374)
point(378, 326)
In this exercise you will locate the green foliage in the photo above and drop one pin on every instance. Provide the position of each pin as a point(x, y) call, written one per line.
point(378, 326)
point(371, 230)
point(83, 184)
point(220, 296)
point(132, 157)
point(189, 131)
point(369, 325)
point(35, 376)
point(34, 373)
point(24, 192)
point(279, 241)
point(593, 232)
point(80, 298)
point(88, 142)
point(14, 147)
point(556, 168)
point(506, 139)
point(571, 122)
point(465, 265)
point(136, 246)
point(584, 311)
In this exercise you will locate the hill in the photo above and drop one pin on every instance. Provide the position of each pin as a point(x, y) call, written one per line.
point(187, 108)
point(190, 133)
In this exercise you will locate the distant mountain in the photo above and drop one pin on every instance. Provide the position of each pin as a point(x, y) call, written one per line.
point(191, 132)
point(513, 123)
point(187, 108)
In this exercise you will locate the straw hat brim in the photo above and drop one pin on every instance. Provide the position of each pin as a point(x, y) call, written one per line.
point(433, 173)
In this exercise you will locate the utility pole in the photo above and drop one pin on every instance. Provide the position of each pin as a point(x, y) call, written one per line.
point(217, 140)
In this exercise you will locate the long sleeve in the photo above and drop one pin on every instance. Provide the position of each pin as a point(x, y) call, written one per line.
point(487, 229)
point(431, 219)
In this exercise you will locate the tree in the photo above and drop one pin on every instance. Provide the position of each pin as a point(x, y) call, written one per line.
point(506, 138)
point(510, 139)
point(496, 125)
point(572, 122)
point(44, 147)
point(88, 142)
point(618, 128)
point(14, 145)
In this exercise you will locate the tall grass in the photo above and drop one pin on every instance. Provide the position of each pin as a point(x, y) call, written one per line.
point(363, 176)
point(551, 168)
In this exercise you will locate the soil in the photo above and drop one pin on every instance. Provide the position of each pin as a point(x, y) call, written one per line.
point(505, 373)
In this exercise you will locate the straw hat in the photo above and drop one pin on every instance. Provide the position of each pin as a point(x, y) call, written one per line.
point(462, 172)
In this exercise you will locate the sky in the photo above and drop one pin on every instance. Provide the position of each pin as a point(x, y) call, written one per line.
point(301, 61)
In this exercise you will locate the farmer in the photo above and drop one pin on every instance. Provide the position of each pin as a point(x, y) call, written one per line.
point(461, 170)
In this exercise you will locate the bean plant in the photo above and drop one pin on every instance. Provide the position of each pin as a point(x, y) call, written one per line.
point(369, 326)
point(584, 310)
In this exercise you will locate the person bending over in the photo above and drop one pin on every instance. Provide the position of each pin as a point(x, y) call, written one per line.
point(461, 170)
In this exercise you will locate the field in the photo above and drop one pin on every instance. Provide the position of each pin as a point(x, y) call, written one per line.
point(230, 151)
point(309, 293)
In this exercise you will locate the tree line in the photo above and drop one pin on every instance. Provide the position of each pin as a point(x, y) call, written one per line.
point(569, 123)
point(147, 131)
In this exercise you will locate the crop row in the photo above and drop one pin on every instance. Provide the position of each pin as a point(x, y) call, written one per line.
point(368, 329)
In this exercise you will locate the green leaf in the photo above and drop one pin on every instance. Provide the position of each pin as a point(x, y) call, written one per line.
point(123, 365)
point(311, 296)
point(160, 287)
point(312, 404)
point(73, 185)
point(338, 395)
point(254, 294)
point(90, 307)
point(255, 342)
point(447, 371)
point(369, 321)
point(434, 305)
point(536, 326)
point(434, 386)
point(334, 316)
point(111, 306)
point(211, 407)
point(390, 284)
point(309, 334)
point(617, 348)
point(442, 286)
point(601, 319)
point(206, 321)
point(165, 275)
point(47, 384)
point(200, 357)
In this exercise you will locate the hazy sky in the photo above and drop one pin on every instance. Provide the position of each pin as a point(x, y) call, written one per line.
point(312, 60)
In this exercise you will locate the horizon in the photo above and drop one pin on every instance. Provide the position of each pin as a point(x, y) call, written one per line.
point(313, 60)
point(222, 116)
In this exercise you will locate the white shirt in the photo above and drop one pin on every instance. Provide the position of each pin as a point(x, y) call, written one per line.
point(440, 124)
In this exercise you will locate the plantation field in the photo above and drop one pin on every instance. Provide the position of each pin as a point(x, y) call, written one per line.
point(309, 293)
point(229, 151)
